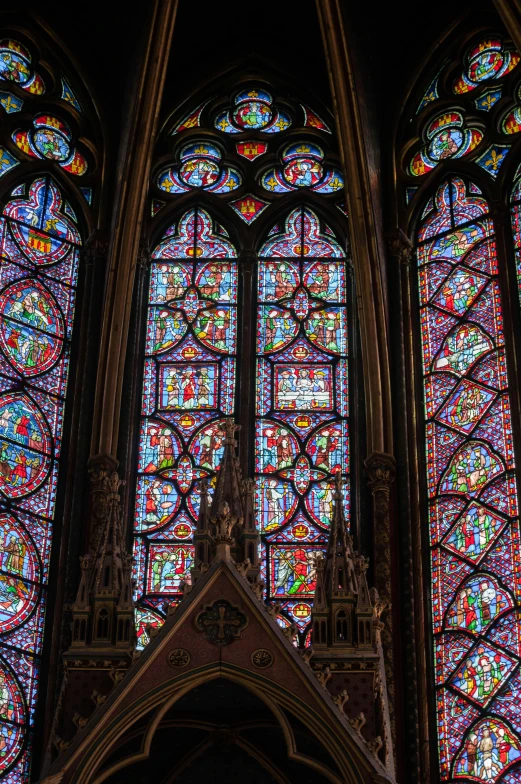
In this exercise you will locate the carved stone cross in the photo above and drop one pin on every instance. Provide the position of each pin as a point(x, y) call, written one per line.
point(221, 622)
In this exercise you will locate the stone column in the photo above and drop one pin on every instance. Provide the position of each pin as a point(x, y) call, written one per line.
point(410, 579)
point(381, 471)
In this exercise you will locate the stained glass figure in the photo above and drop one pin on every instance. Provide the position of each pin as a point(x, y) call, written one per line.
point(253, 110)
point(40, 243)
point(472, 492)
point(302, 168)
point(486, 61)
point(15, 66)
point(52, 139)
point(446, 137)
point(188, 389)
point(200, 167)
point(302, 402)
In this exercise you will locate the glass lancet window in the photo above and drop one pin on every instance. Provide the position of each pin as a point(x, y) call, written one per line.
point(301, 406)
point(473, 508)
point(470, 480)
point(189, 386)
point(268, 312)
point(40, 240)
point(39, 246)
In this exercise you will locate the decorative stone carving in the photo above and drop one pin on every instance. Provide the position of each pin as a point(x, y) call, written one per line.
point(400, 246)
point(243, 567)
point(95, 249)
point(375, 745)
point(306, 654)
point(290, 631)
point(98, 698)
point(258, 589)
point(358, 722)
point(79, 720)
point(178, 658)
point(323, 676)
point(341, 699)
point(221, 622)
point(262, 658)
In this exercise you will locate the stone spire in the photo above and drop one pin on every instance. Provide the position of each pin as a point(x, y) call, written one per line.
point(342, 600)
point(228, 485)
point(347, 651)
point(228, 528)
point(103, 612)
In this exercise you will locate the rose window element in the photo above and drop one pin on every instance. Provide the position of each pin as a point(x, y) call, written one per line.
point(15, 66)
point(200, 166)
point(488, 60)
point(445, 137)
point(253, 111)
point(302, 168)
point(51, 138)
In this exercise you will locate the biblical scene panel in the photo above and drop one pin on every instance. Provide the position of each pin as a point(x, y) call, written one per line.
point(188, 388)
point(302, 412)
point(474, 527)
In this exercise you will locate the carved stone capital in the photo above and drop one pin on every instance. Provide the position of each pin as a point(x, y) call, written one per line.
point(143, 256)
point(95, 249)
point(400, 246)
point(248, 261)
point(381, 469)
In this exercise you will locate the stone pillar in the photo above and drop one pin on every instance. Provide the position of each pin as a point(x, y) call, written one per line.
point(410, 579)
point(381, 471)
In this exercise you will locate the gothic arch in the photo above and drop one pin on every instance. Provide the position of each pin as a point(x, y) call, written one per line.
point(96, 767)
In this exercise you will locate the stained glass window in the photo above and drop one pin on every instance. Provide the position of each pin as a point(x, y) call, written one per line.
point(39, 243)
point(198, 329)
point(473, 509)
point(516, 224)
point(188, 388)
point(470, 480)
point(301, 404)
